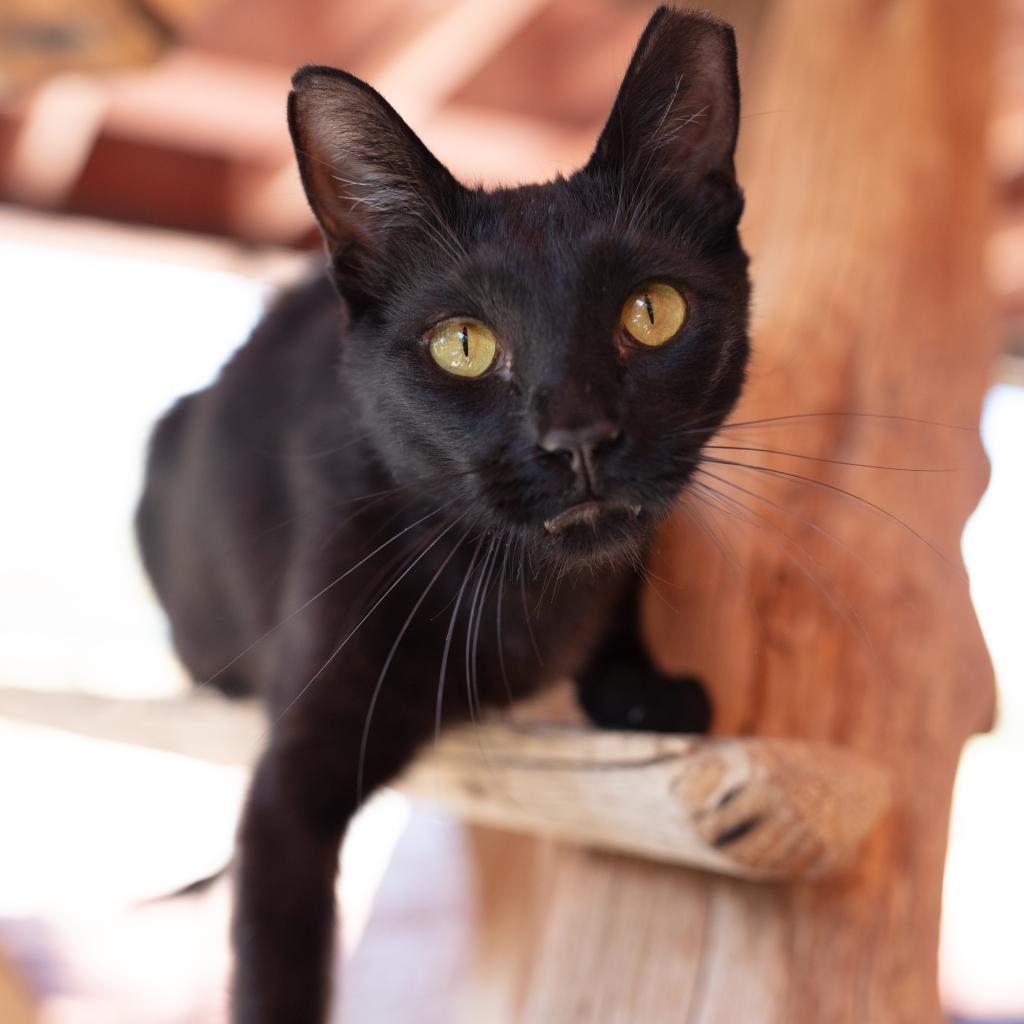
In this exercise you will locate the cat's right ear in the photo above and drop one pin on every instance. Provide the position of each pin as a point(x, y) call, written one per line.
point(676, 116)
point(365, 172)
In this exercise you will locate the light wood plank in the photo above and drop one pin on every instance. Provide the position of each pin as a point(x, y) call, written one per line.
point(679, 799)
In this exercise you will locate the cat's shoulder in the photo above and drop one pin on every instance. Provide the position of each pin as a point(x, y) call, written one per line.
point(304, 318)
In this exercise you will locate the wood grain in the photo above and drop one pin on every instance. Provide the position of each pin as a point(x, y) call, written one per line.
point(864, 163)
point(752, 808)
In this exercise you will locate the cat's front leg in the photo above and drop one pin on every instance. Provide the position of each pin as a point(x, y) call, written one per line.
point(621, 688)
point(287, 857)
point(302, 797)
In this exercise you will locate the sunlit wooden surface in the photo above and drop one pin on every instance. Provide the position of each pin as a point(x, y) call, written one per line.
point(678, 799)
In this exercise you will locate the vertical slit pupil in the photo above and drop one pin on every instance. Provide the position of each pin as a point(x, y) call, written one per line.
point(464, 338)
point(650, 309)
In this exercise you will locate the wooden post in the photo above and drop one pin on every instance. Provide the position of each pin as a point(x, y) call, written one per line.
point(865, 168)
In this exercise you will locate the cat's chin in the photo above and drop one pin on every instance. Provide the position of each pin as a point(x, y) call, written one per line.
point(594, 515)
point(595, 534)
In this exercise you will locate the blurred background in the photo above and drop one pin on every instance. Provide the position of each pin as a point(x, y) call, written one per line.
point(149, 208)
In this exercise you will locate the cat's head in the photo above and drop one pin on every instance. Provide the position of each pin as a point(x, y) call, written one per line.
point(549, 358)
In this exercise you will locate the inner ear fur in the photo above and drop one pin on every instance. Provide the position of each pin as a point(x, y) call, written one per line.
point(364, 171)
point(677, 110)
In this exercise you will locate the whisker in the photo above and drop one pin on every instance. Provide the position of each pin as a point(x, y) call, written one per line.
point(721, 543)
point(472, 679)
point(648, 578)
point(845, 611)
point(475, 613)
point(367, 501)
point(438, 708)
point(846, 415)
point(706, 421)
point(526, 609)
point(336, 528)
point(391, 653)
point(831, 462)
point(497, 618)
point(486, 591)
point(337, 650)
point(318, 453)
point(838, 541)
point(698, 520)
point(806, 480)
point(387, 573)
point(416, 486)
point(320, 593)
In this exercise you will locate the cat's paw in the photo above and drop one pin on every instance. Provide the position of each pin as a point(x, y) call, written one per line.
point(619, 695)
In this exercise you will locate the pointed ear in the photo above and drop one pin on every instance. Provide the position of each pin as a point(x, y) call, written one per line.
point(677, 111)
point(365, 172)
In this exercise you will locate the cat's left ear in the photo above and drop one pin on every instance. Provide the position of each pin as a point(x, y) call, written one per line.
point(677, 111)
point(366, 173)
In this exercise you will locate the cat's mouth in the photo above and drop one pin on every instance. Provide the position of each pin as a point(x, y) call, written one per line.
point(590, 513)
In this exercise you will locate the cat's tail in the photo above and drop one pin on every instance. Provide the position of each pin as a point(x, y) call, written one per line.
point(196, 888)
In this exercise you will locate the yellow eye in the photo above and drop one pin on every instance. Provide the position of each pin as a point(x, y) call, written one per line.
point(462, 347)
point(654, 314)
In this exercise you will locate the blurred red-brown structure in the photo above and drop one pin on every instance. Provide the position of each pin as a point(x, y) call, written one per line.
point(196, 140)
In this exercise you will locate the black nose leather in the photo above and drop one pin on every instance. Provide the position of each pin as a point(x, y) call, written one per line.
point(581, 446)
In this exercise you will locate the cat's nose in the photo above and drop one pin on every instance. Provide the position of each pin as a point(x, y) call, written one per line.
point(581, 447)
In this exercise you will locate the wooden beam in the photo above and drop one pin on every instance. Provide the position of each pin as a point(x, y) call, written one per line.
point(506, 149)
point(678, 799)
point(417, 81)
point(461, 38)
point(42, 38)
point(60, 124)
point(204, 103)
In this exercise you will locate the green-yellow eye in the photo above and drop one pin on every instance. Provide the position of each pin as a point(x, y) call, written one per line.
point(463, 347)
point(654, 314)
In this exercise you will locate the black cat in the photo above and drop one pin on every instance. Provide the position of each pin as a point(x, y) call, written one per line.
point(428, 497)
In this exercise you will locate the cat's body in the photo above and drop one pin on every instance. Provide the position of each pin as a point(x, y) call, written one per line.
point(380, 546)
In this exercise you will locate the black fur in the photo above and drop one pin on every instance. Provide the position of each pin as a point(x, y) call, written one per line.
point(341, 527)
